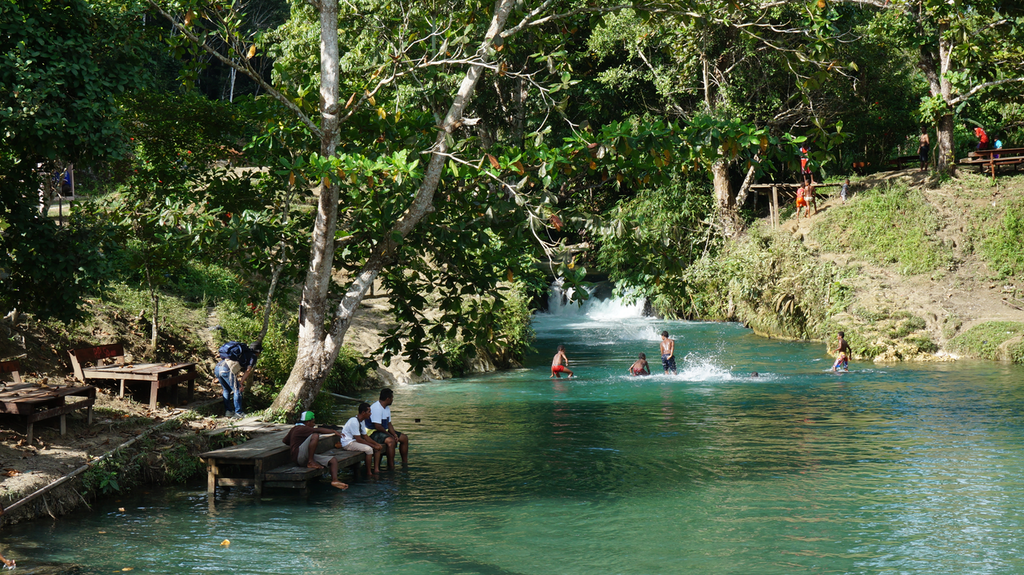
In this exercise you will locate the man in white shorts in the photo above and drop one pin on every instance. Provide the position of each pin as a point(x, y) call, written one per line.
point(355, 438)
point(303, 439)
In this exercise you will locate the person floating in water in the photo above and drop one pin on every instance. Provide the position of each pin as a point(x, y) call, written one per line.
point(841, 362)
point(560, 364)
point(668, 353)
point(640, 366)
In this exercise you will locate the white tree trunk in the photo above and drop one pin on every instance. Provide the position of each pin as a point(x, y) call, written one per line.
point(319, 348)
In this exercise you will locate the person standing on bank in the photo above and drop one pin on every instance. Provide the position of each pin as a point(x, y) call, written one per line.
point(238, 361)
point(382, 430)
point(923, 147)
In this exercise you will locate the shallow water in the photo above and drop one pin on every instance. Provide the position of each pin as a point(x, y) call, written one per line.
point(896, 469)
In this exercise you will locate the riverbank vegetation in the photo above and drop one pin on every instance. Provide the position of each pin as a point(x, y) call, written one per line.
point(438, 153)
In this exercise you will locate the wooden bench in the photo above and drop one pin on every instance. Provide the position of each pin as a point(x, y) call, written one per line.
point(35, 403)
point(266, 462)
point(13, 368)
point(902, 161)
point(156, 375)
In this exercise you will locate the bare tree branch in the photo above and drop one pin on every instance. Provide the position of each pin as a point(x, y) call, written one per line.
point(246, 69)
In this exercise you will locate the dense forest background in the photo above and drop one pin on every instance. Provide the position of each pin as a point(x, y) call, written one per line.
point(280, 161)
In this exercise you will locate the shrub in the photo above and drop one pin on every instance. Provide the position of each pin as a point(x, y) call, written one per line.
point(768, 280)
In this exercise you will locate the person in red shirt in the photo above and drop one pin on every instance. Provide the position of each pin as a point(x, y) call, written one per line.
point(982, 138)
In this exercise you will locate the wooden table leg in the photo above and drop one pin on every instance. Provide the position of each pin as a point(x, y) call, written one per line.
point(122, 389)
point(191, 389)
point(28, 432)
point(211, 476)
point(258, 477)
point(63, 425)
point(152, 394)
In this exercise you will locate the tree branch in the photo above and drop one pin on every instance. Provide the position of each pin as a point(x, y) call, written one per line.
point(981, 87)
point(247, 70)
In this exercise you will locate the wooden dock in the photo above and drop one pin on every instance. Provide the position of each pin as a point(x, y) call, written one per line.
point(265, 461)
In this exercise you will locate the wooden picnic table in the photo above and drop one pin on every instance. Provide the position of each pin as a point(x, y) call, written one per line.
point(87, 365)
point(266, 462)
point(36, 403)
point(157, 375)
point(992, 158)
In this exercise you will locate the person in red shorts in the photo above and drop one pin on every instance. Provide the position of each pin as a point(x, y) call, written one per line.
point(801, 201)
point(560, 364)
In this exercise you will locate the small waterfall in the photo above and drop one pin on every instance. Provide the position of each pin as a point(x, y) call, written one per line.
point(600, 306)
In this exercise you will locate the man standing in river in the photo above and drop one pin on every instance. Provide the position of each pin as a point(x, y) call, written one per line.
point(668, 353)
point(382, 431)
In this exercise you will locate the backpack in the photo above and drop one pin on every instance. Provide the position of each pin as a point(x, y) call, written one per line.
point(232, 350)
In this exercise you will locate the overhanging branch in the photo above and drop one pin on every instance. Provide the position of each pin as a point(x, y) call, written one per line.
point(247, 70)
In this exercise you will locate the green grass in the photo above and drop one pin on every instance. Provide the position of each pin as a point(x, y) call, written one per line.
point(888, 226)
point(1001, 243)
point(983, 340)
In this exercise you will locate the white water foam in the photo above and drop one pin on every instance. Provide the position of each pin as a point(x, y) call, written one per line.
point(592, 308)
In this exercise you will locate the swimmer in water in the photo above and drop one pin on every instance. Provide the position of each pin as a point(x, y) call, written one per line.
point(560, 364)
point(640, 366)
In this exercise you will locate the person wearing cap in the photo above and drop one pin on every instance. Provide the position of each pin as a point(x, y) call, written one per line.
point(382, 431)
point(304, 438)
point(233, 375)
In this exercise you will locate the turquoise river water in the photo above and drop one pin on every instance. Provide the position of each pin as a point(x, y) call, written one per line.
point(915, 468)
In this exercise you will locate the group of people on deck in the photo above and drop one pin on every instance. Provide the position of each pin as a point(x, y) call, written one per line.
point(370, 431)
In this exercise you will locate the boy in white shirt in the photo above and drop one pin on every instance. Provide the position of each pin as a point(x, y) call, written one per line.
point(383, 431)
point(355, 438)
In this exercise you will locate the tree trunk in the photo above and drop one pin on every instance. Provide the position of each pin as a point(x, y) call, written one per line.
point(935, 67)
point(725, 202)
point(317, 348)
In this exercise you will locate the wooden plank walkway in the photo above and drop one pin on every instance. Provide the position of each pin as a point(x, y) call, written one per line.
point(266, 462)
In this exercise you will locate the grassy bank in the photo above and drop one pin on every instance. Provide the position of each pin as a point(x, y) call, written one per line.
point(858, 267)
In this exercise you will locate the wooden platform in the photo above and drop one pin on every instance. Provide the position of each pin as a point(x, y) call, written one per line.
point(266, 462)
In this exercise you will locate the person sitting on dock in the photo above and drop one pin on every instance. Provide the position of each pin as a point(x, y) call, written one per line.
point(382, 431)
point(640, 366)
point(303, 439)
point(560, 364)
point(354, 437)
